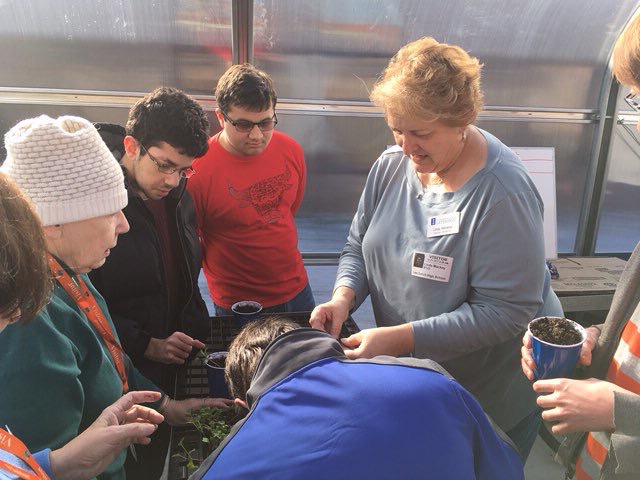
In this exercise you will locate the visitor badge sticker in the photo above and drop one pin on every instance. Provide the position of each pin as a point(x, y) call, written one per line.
point(431, 266)
point(446, 224)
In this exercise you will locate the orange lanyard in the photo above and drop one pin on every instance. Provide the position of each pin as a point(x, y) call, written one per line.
point(86, 301)
point(11, 444)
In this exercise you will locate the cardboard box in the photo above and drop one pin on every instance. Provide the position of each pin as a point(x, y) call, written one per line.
point(587, 275)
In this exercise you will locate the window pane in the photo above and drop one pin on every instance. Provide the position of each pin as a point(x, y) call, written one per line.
point(541, 53)
point(619, 228)
point(115, 45)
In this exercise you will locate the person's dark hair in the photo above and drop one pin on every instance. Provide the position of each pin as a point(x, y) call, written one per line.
point(170, 115)
point(25, 282)
point(247, 87)
point(247, 348)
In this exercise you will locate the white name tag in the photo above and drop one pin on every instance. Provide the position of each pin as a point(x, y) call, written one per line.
point(431, 266)
point(446, 224)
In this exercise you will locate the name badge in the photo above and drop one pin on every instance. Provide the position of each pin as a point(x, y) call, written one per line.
point(431, 266)
point(446, 224)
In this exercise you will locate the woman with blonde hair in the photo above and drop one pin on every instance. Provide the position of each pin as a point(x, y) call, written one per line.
point(447, 240)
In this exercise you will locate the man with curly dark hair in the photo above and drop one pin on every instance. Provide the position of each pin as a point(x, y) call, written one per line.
point(150, 280)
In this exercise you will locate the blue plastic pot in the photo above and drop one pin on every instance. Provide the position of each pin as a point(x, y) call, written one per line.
point(215, 363)
point(555, 361)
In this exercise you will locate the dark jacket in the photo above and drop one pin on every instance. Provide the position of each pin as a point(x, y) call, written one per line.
point(316, 414)
point(132, 280)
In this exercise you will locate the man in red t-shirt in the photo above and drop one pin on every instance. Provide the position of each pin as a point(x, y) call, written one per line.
point(249, 186)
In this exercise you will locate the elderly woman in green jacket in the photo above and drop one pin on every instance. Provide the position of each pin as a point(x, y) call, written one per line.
point(24, 290)
point(67, 365)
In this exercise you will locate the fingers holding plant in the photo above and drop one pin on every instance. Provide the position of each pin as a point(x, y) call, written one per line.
point(175, 349)
point(331, 315)
point(119, 425)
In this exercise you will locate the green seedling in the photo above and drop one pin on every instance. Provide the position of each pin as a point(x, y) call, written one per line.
point(213, 425)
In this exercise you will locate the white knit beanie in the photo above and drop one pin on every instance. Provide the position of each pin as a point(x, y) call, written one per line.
point(65, 168)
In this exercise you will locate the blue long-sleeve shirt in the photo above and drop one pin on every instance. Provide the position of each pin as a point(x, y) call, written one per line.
point(316, 414)
point(41, 457)
point(472, 322)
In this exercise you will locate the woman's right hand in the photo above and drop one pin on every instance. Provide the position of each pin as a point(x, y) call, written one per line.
point(330, 316)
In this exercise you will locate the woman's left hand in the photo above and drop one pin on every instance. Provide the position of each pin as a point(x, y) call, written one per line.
point(118, 426)
point(371, 342)
point(577, 405)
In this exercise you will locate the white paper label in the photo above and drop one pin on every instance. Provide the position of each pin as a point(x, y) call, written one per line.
point(431, 266)
point(446, 224)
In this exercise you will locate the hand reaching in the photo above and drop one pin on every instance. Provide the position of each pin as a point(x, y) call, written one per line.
point(371, 342)
point(329, 317)
point(118, 426)
point(176, 348)
point(176, 412)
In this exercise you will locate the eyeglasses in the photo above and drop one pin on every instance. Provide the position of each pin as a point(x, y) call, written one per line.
point(167, 169)
point(633, 101)
point(246, 126)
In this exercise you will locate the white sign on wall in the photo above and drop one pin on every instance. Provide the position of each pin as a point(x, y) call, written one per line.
point(541, 165)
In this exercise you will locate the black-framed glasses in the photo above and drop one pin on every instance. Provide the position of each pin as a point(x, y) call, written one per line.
point(633, 100)
point(246, 126)
point(167, 169)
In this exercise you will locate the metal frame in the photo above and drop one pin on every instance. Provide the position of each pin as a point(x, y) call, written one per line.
point(628, 118)
point(587, 231)
point(242, 31)
point(594, 191)
point(102, 98)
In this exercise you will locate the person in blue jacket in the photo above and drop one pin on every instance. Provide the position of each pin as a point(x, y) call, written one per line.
point(314, 413)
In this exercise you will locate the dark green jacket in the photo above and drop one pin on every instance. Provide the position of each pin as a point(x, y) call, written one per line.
point(57, 376)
